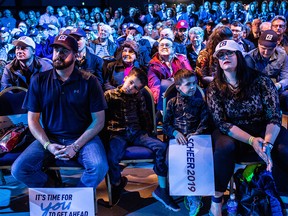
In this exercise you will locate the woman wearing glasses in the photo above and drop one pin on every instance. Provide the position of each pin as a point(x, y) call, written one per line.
point(245, 110)
point(164, 65)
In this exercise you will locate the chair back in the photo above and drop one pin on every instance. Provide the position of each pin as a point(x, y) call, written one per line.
point(146, 92)
point(11, 100)
point(171, 92)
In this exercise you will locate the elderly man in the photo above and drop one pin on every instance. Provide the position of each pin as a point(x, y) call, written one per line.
point(279, 25)
point(71, 105)
point(103, 46)
point(196, 35)
point(86, 59)
point(271, 60)
point(20, 70)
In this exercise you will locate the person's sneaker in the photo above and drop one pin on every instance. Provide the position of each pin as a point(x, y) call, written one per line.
point(193, 204)
point(162, 195)
point(117, 190)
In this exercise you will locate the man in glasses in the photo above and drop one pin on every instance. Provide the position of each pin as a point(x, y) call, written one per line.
point(279, 25)
point(271, 60)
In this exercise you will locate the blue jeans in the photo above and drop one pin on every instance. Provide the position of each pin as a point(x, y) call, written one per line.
point(118, 144)
point(28, 167)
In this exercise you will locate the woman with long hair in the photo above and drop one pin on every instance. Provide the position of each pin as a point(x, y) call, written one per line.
point(32, 21)
point(246, 112)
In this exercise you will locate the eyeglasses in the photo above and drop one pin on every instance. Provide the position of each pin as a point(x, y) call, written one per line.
point(222, 55)
point(278, 26)
point(165, 45)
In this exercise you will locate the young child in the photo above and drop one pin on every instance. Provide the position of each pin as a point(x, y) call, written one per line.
point(186, 115)
point(127, 124)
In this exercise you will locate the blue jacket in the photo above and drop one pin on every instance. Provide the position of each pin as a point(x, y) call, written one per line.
point(92, 64)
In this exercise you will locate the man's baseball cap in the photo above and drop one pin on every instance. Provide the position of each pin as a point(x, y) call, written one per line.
point(226, 45)
point(66, 41)
point(182, 24)
point(137, 27)
point(268, 38)
point(78, 32)
point(5, 31)
point(44, 26)
point(24, 41)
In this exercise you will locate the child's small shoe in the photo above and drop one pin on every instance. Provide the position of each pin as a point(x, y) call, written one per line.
point(193, 204)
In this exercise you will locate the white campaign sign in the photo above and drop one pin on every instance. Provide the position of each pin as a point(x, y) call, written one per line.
point(191, 170)
point(61, 202)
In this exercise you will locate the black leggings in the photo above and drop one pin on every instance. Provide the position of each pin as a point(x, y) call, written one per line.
point(227, 151)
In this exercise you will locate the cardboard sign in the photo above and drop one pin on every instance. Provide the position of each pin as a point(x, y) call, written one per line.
point(191, 169)
point(61, 202)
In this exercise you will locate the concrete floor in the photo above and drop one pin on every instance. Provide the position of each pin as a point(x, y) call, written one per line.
point(136, 200)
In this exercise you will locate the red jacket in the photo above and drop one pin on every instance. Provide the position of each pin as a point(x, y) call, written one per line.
point(158, 70)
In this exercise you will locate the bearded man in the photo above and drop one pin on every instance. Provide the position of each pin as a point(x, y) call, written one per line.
point(71, 105)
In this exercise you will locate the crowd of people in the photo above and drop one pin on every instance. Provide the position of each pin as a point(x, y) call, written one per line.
point(79, 63)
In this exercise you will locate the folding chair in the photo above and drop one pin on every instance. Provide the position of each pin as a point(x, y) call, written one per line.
point(138, 154)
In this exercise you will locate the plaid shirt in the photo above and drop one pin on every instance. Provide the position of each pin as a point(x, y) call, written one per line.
point(126, 112)
point(186, 115)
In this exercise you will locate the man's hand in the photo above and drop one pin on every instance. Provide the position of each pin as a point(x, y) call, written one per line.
point(54, 147)
point(61, 152)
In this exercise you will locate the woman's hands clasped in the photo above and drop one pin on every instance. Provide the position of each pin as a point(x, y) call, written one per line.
point(264, 151)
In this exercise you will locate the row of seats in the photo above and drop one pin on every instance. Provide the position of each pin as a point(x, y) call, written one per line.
point(134, 154)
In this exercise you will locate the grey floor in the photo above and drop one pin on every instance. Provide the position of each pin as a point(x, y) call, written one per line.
point(136, 200)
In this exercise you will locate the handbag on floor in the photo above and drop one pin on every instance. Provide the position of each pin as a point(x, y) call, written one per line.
point(256, 192)
point(13, 137)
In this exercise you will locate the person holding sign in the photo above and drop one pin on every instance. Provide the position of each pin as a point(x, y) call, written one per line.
point(246, 111)
point(71, 105)
point(186, 115)
point(128, 123)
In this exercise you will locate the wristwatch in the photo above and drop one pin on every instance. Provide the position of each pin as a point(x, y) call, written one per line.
point(75, 147)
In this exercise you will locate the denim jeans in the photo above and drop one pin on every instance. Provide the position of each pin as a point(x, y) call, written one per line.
point(118, 144)
point(28, 167)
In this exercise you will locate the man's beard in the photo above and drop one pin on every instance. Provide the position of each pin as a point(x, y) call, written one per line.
point(61, 64)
